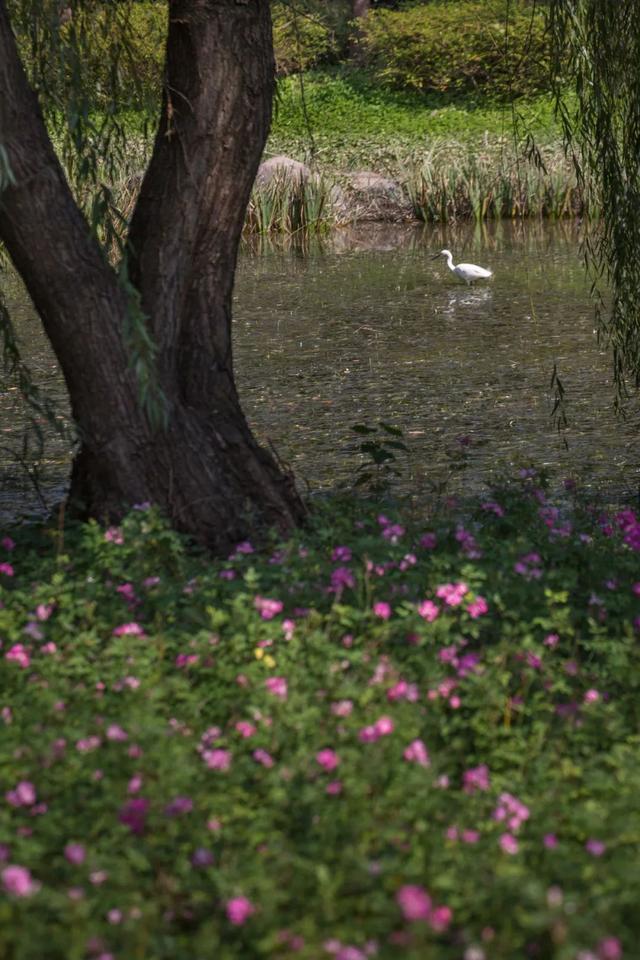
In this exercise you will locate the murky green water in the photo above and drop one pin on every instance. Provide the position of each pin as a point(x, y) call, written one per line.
point(364, 327)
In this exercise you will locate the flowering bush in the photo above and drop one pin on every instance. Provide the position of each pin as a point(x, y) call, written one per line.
point(431, 755)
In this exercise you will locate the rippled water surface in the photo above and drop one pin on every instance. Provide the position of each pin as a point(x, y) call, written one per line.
point(363, 327)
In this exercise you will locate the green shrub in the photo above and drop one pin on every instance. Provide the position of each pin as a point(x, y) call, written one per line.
point(459, 47)
point(301, 39)
point(379, 739)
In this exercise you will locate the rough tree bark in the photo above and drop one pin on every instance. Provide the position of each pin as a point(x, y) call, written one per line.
point(205, 469)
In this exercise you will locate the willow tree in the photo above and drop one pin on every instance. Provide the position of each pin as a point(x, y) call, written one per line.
point(144, 344)
point(597, 53)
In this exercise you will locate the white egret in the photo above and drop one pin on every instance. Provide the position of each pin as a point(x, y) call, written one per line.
point(468, 272)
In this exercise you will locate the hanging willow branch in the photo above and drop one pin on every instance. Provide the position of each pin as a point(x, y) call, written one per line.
point(596, 44)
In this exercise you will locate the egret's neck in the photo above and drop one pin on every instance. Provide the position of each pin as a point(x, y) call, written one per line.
point(449, 260)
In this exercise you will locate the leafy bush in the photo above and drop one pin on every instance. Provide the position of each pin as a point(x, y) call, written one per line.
point(301, 39)
point(376, 740)
point(492, 46)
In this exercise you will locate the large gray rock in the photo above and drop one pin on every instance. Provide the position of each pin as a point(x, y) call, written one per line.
point(369, 196)
point(282, 168)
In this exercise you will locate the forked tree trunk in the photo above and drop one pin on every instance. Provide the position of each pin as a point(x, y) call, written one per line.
point(204, 469)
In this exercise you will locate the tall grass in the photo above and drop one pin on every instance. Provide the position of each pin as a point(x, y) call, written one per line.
point(455, 183)
point(289, 205)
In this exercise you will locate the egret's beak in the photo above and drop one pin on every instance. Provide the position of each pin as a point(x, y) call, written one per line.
point(434, 257)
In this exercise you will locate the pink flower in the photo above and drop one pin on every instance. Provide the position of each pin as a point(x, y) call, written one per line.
point(18, 654)
point(341, 555)
point(368, 734)
point(342, 708)
point(24, 795)
point(75, 853)
point(382, 610)
point(477, 608)
point(595, 847)
point(440, 918)
point(609, 949)
point(133, 814)
point(328, 759)
point(509, 843)
point(239, 909)
point(7, 544)
point(428, 541)
point(334, 787)
point(452, 593)
point(428, 610)
point(267, 608)
point(245, 729)
point(128, 630)
point(551, 640)
point(636, 588)
point(115, 732)
point(277, 686)
point(403, 691)
point(550, 841)
point(114, 535)
point(591, 696)
point(6, 569)
point(414, 902)
point(217, 759)
point(261, 756)
point(476, 778)
point(18, 881)
point(416, 752)
point(384, 726)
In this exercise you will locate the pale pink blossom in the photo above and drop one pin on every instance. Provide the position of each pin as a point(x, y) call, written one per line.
point(267, 608)
point(342, 708)
point(132, 629)
point(115, 732)
point(509, 843)
point(217, 759)
point(75, 853)
point(417, 752)
point(18, 654)
point(277, 686)
point(245, 729)
point(261, 756)
point(428, 610)
point(382, 610)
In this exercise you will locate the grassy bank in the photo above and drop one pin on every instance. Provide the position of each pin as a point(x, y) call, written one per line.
point(389, 736)
point(345, 120)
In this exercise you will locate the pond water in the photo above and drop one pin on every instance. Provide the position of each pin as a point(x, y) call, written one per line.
point(362, 327)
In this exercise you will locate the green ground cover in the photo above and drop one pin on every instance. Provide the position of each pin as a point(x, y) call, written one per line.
point(390, 736)
point(346, 120)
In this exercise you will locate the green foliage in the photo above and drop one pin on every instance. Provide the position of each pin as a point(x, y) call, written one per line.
point(300, 38)
point(597, 45)
point(169, 713)
point(498, 47)
point(380, 450)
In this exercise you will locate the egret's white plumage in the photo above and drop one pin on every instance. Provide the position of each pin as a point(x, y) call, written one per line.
point(468, 272)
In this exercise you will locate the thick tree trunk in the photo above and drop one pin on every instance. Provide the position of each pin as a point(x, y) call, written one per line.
point(205, 469)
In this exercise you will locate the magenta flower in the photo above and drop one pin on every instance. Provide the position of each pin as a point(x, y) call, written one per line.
point(239, 909)
point(416, 752)
point(428, 610)
point(132, 629)
point(245, 729)
point(341, 555)
point(341, 578)
point(477, 608)
point(414, 902)
point(75, 853)
point(18, 654)
point(428, 541)
point(440, 918)
point(261, 756)
point(178, 806)
point(23, 795)
point(114, 535)
point(328, 759)
point(595, 847)
point(452, 593)
point(18, 881)
point(133, 814)
point(592, 696)
point(384, 726)
point(610, 949)
point(116, 733)
point(334, 787)
point(6, 569)
point(217, 759)
point(476, 778)
point(382, 610)
point(509, 843)
point(550, 841)
point(277, 686)
point(267, 608)
point(7, 544)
